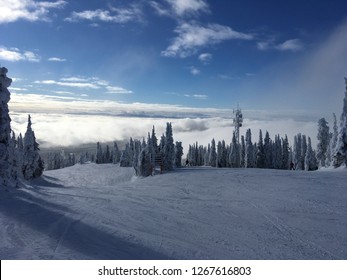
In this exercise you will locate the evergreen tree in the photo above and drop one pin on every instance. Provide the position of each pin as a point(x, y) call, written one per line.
point(323, 141)
point(285, 153)
point(260, 152)
point(99, 154)
point(249, 150)
point(213, 154)
point(297, 152)
point(268, 150)
point(115, 153)
point(6, 176)
point(310, 158)
point(303, 151)
point(340, 154)
point(243, 152)
point(125, 160)
point(144, 167)
point(169, 149)
point(235, 153)
point(33, 165)
point(178, 154)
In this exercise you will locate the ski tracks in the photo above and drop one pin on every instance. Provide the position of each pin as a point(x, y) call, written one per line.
point(293, 236)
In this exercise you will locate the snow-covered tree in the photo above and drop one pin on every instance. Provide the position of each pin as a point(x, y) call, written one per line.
point(260, 151)
point(213, 154)
point(277, 153)
point(310, 158)
point(268, 150)
point(6, 177)
point(178, 154)
point(169, 149)
point(115, 153)
point(243, 152)
point(323, 141)
point(144, 166)
point(235, 153)
point(285, 153)
point(33, 165)
point(297, 152)
point(340, 154)
point(125, 160)
point(249, 150)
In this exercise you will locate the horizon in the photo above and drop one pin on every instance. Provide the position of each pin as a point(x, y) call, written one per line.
point(126, 64)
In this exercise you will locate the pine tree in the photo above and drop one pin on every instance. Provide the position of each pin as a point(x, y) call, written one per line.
point(235, 153)
point(268, 150)
point(144, 167)
point(178, 154)
point(260, 152)
point(115, 153)
point(213, 154)
point(6, 176)
point(310, 158)
point(125, 160)
point(249, 150)
point(285, 153)
point(243, 152)
point(323, 141)
point(169, 149)
point(297, 152)
point(33, 165)
point(340, 154)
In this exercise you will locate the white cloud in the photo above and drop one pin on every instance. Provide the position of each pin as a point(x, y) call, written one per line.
point(192, 36)
point(85, 83)
point(182, 7)
point(292, 45)
point(205, 58)
point(68, 84)
point(14, 55)
point(56, 59)
point(194, 71)
point(116, 15)
point(117, 90)
point(14, 10)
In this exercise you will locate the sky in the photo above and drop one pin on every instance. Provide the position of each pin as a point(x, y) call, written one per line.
point(125, 65)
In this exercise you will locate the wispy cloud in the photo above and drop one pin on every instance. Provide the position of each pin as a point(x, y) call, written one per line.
point(194, 71)
point(56, 59)
point(205, 58)
point(192, 36)
point(180, 8)
point(293, 45)
point(79, 82)
point(14, 55)
point(30, 10)
point(68, 84)
point(113, 14)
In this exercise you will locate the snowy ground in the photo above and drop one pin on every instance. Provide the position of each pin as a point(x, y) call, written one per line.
point(103, 212)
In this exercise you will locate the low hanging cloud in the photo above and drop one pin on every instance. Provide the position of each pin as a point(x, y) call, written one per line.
point(191, 37)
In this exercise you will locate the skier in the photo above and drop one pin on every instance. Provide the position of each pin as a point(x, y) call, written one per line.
point(292, 166)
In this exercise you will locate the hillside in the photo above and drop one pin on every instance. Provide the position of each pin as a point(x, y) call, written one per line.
point(103, 212)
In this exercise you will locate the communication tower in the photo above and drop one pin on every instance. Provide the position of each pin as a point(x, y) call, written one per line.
point(237, 122)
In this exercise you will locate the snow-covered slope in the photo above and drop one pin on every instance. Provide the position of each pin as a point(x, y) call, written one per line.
point(104, 212)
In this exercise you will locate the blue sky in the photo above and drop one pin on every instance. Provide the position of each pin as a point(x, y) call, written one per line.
point(264, 55)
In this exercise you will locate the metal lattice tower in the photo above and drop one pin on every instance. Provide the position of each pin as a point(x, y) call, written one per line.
point(237, 122)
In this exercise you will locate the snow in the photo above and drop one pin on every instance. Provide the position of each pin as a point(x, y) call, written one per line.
point(104, 212)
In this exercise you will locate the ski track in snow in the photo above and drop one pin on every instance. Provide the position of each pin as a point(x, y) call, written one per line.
point(103, 212)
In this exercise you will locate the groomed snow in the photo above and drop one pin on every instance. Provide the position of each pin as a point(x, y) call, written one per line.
point(103, 212)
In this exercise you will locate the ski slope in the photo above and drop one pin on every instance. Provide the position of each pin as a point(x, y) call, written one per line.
point(103, 212)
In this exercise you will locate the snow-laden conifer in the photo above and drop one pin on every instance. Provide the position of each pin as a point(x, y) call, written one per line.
point(260, 152)
point(340, 154)
point(249, 150)
point(33, 165)
point(178, 154)
point(6, 178)
point(310, 158)
point(213, 154)
point(323, 141)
